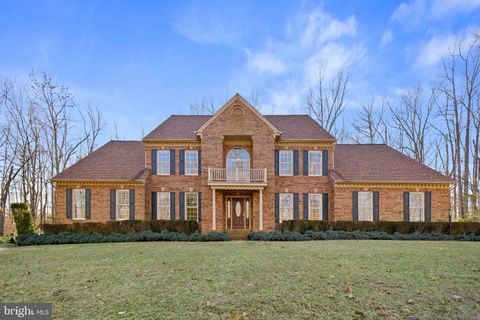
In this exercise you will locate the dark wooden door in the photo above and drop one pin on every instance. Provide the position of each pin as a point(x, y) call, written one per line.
point(238, 213)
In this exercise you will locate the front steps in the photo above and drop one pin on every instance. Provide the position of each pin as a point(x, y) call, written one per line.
point(238, 234)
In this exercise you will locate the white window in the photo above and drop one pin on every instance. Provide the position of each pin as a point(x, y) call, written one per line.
point(192, 206)
point(286, 206)
point(365, 206)
point(78, 204)
point(163, 205)
point(314, 163)
point(315, 206)
point(123, 204)
point(163, 162)
point(286, 162)
point(416, 206)
point(191, 162)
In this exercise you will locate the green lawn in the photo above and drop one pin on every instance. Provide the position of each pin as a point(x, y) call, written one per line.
point(251, 280)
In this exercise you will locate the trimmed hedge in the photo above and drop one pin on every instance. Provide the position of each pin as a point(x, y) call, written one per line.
point(356, 235)
point(390, 227)
point(33, 239)
point(127, 226)
point(22, 217)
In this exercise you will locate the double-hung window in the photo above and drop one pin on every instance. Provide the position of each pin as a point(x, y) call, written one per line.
point(286, 206)
point(191, 199)
point(78, 202)
point(315, 206)
point(417, 212)
point(314, 163)
point(163, 205)
point(365, 206)
point(191, 162)
point(163, 162)
point(286, 162)
point(123, 204)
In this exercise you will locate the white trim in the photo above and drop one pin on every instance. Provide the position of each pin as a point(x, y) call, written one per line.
point(320, 216)
point(311, 152)
point(117, 192)
point(422, 207)
point(158, 207)
point(290, 213)
point(84, 204)
point(158, 161)
point(280, 163)
point(186, 204)
point(196, 163)
point(214, 210)
point(370, 213)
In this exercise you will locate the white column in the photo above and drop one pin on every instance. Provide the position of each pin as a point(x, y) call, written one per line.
point(214, 210)
point(261, 209)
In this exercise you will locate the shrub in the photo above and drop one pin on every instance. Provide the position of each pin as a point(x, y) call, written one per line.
point(127, 226)
point(72, 237)
point(23, 218)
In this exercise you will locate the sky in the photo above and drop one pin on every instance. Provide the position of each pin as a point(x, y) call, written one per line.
point(141, 61)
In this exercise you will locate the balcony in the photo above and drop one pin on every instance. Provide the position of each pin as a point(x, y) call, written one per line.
point(237, 177)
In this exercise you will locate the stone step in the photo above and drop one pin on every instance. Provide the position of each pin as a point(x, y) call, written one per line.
point(238, 234)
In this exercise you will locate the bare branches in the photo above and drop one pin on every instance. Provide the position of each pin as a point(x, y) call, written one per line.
point(205, 106)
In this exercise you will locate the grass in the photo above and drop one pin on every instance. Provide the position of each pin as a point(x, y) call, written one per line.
point(253, 280)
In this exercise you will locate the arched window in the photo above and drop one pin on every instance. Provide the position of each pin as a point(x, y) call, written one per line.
point(238, 158)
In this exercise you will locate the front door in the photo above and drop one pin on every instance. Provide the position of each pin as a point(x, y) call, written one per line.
point(238, 209)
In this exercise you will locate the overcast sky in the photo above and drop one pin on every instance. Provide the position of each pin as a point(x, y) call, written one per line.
point(141, 61)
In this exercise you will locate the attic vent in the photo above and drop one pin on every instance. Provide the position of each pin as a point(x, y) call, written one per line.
point(237, 111)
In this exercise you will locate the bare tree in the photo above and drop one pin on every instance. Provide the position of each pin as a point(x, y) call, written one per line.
point(93, 125)
point(205, 106)
point(370, 125)
point(325, 102)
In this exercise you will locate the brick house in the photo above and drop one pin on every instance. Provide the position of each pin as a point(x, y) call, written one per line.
point(242, 170)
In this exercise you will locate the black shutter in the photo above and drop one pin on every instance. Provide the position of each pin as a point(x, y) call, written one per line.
point(428, 206)
point(153, 159)
point(295, 162)
point(172, 205)
point(181, 202)
point(199, 162)
point(88, 204)
point(113, 204)
point(305, 206)
point(325, 207)
point(69, 203)
point(406, 206)
point(181, 162)
point(172, 162)
point(199, 207)
point(295, 206)
point(305, 162)
point(325, 162)
point(277, 207)
point(376, 206)
point(355, 206)
point(277, 159)
point(154, 206)
point(131, 194)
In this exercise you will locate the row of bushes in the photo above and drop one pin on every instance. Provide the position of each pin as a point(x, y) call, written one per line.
point(128, 226)
point(390, 227)
point(33, 239)
point(356, 235)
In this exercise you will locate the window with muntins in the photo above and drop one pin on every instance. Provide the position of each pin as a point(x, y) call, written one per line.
point(286, 206)
point(315, 206)
point(123, 205)
point(314, 163)
point(191, 206)
point(78, 204)
point(163, 162)
point(286, 162)
point(416, 206)
point(191, 162)
point(163, 205)
point(365, 206)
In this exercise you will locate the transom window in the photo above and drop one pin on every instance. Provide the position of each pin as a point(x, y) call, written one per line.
point(78, 204)
point(192, 206)
point(417, 206)
point(238, 158)
point(191, 162)
point(163, 205)
point(286, 206)
point(314, 163)
point(123, 204)
point(315, 206)
point(163, 162)
point(365, 206)
point(286, 162)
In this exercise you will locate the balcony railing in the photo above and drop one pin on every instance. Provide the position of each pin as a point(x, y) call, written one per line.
point(237, 175)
